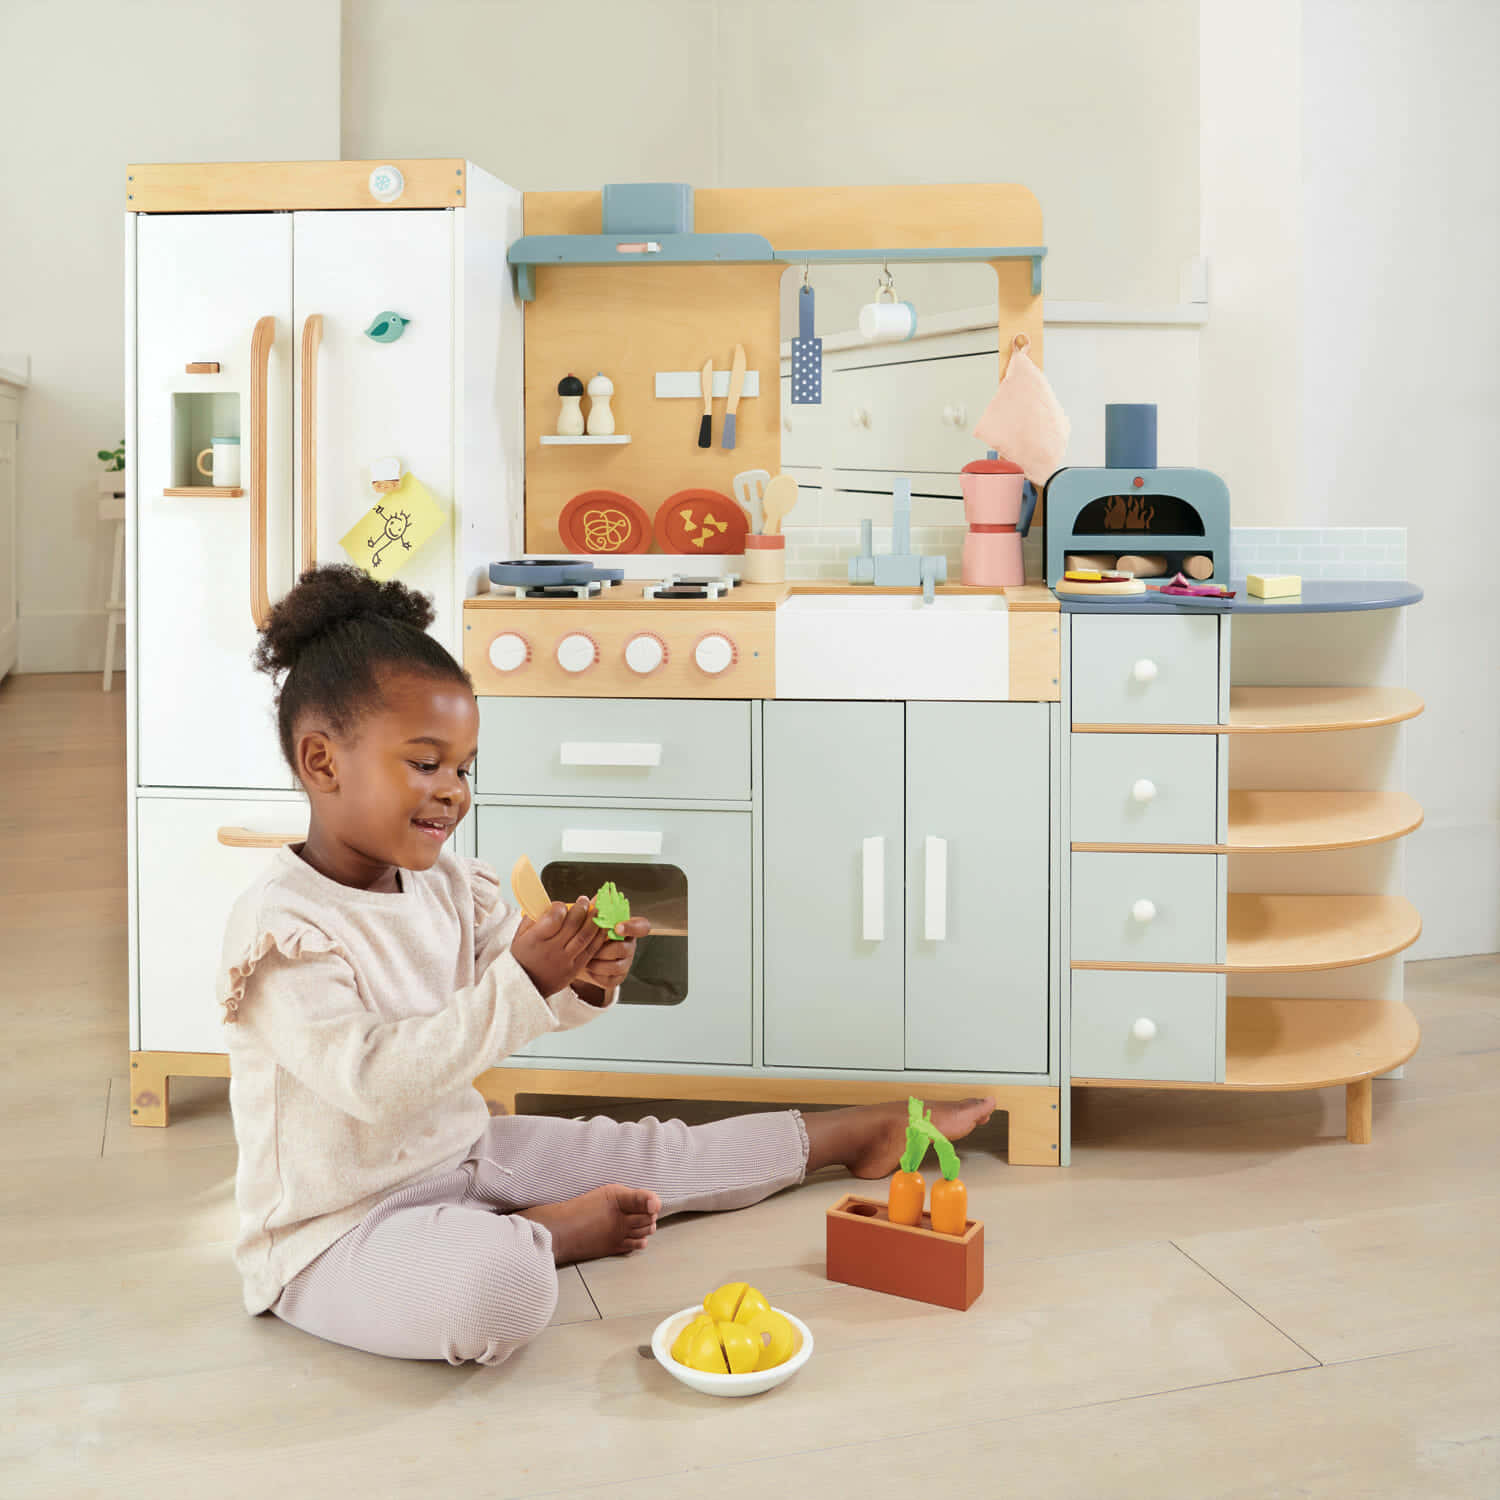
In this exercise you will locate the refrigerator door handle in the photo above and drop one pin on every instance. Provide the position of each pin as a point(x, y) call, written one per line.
point(260, 368)
point(312, 339)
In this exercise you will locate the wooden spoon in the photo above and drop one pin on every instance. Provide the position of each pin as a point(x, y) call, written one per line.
point(777, 502)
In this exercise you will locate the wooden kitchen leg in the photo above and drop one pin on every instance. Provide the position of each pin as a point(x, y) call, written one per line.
point(1035, 1124)
point(148, 1088)
point(1359, 1111)
point(498, 1091)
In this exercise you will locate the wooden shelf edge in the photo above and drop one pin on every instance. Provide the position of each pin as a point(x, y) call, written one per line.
point(1286, 1045)
point(203, 492)
point(1382, 706)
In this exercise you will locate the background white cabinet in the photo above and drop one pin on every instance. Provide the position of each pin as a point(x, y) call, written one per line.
point(9, 564)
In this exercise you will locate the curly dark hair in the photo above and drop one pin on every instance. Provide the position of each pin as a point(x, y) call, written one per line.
point(334, 635)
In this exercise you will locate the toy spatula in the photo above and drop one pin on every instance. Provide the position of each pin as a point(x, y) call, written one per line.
point(526, 885)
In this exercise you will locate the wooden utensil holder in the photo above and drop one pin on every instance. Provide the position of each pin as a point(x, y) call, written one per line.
point(866, 1249)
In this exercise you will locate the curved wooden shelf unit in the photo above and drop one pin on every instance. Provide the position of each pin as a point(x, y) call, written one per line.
point(1301, 935)
point(1296, 823)
point(1291, 710)
point(1281, 1045)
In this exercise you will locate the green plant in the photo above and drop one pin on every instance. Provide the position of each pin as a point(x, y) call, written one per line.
point(114, 462)
point(611, 906)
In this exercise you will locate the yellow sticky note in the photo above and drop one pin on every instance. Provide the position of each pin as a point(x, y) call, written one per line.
point(384, 537)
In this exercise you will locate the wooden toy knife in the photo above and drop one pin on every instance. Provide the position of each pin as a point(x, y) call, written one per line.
point(736, 384)
point(705, 427)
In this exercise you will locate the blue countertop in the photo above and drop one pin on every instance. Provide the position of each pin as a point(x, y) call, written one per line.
point(1318, 597)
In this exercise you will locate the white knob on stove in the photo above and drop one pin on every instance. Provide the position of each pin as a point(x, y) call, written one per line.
point(577, 652)
point(1144, 670)
point(715, 654)
point(1144, 910)
point(645, 653)
point(1143, 790)
point(509, 652)
point(1144, 1029)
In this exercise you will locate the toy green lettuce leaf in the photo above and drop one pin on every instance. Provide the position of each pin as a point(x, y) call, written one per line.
point(610, 906)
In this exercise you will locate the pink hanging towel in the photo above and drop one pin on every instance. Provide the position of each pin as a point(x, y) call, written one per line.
point(1024, 421)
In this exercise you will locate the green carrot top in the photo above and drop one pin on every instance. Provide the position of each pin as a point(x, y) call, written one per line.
point(921, 1133)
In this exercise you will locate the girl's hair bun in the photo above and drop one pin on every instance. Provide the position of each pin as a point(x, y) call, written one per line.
point(326, 598)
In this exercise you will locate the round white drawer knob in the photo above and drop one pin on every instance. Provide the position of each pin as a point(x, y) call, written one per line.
point(786, 424)
point(1144, 1029)
point(577, 653)
point(645, 653)
point(714, 654)
point(1143, 910)
point(1144, 670)
point(860, 416)
point(387, 184)
point(1143, 790)
point(956, 416)
point(509, 652)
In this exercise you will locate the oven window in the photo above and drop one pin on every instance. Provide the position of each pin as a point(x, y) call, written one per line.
point(1166, 515)
point(659, 893)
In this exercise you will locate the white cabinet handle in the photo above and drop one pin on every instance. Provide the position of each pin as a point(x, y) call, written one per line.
point(250, 838)
point(1144, 1029)
point(935, 911)
point(609, 841)
point(1143, 790)
point(1143, 910)
point(874, 890)
point(580, 753)
point(1144, 670)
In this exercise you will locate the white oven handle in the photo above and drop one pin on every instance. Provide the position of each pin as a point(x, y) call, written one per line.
point(935, 911)
point(609, 841)
point(582, 753)
point(873, 925)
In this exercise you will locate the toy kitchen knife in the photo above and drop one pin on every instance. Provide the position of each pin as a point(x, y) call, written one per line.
point(705, 427)
point(736, 384)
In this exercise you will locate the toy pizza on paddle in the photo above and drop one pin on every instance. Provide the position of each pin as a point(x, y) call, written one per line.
point(1092, 581)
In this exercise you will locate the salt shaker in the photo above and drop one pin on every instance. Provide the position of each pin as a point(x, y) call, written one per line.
point(601, 418)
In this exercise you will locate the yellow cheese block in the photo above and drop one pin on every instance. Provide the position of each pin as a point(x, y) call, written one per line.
point(1273, 586)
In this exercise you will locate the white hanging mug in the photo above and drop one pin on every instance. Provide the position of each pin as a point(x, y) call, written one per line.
point(224, 472)
point(889, 320)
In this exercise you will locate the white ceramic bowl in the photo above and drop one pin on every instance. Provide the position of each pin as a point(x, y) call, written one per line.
point(751, 1384)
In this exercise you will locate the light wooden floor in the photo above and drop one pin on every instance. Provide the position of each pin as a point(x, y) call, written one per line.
point(1220, 1298)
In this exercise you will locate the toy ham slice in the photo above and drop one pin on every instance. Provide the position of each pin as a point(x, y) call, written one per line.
point(526, 885)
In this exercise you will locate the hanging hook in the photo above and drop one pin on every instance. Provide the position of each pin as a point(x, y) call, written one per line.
point(806, 278)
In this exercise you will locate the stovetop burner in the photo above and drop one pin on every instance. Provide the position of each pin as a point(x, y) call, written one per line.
point(676, 586)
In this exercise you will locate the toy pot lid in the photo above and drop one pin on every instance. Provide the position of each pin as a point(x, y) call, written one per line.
point(991, 466)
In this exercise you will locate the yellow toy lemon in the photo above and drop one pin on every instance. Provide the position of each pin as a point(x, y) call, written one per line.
point(705, 1352)
point(723, 1302)
point(775, 1338)
point(742, 1350)
point(683, 1342)
point(751, 1303)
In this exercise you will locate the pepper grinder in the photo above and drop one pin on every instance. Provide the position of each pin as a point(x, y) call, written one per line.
point(570, 418)
point(601, 418)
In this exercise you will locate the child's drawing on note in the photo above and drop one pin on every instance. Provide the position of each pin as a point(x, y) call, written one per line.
point(386, 535)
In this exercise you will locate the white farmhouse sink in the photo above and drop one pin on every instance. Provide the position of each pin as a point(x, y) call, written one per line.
point(853, 645)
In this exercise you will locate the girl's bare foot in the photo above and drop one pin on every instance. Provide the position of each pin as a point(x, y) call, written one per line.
point(609, 1220)
point(869, 1140)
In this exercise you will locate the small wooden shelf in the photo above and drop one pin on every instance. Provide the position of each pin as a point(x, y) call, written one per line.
point(203, 492)
point(1301, 934)
point(1312, 710)
point(551, 440)
point(1296, 822)
point(1280, 1045)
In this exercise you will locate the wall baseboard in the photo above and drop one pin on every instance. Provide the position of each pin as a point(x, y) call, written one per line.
point(69, 640)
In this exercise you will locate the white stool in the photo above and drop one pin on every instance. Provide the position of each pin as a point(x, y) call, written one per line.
point(112, 508)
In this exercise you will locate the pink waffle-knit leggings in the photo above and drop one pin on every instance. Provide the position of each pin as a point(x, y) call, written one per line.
point(446, 1269)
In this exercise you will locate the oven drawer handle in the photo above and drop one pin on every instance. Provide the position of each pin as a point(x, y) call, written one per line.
point(610, 841)
point(935, 909)
point(873, 925)
point(586, 753)
point(234, 837)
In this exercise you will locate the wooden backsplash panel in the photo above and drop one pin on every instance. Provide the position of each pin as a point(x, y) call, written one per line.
point(631, 321)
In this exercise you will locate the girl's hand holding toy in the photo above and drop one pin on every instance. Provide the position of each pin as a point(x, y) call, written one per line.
point(559, 946)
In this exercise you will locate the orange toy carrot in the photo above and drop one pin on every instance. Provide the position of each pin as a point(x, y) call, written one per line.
point(908, 1190)
point(950, 1198)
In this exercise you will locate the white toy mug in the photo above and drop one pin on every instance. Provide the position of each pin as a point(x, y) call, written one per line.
point(225, 470)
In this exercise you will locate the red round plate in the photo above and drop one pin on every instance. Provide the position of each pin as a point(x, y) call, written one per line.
point(604, 521)
point(697, 522)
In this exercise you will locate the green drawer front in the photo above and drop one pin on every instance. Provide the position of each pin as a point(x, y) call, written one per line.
point(1181, 925)
point(1144, 669)
point(1145, 788)
point(614, 747)
point(1147, 1026)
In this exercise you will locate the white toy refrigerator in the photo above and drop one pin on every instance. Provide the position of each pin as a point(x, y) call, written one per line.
point(258, 307)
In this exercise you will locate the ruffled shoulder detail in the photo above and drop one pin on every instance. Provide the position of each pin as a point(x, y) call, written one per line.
point(281, 934)
point(484, 883)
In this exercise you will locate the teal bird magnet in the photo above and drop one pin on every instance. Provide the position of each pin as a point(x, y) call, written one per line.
point(387, 327)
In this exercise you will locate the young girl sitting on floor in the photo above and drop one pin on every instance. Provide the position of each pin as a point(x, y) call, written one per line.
point(370, 976)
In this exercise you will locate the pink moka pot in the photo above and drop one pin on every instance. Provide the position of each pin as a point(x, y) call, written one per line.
point(998, 503)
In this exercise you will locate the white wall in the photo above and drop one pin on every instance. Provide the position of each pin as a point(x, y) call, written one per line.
point(88, 88)
point(1401, 387)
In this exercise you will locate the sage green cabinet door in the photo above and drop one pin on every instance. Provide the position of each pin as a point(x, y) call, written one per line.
point(834, 923)
point(977, 854)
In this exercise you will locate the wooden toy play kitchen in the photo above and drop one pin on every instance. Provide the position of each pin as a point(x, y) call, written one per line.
point(837, 803)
